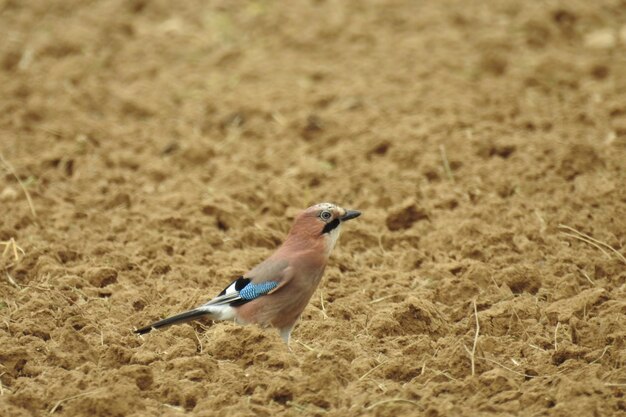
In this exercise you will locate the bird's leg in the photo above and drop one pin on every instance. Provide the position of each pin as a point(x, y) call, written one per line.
point(285, 333)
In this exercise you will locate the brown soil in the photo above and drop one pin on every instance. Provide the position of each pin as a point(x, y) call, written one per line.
point(166, 146)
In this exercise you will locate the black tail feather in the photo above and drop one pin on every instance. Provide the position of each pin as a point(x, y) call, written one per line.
point(179, 318)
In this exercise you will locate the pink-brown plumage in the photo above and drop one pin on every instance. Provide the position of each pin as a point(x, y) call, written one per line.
point(304, 250)
point(276, 291)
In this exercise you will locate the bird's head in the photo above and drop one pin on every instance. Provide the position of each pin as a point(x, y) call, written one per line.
point(322, 223)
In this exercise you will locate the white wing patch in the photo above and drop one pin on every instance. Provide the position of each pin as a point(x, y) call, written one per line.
point(231, 289)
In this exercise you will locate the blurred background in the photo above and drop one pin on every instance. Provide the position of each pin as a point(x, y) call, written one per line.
point(154, 150)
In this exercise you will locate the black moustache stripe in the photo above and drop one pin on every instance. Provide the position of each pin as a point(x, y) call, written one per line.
point(330, 226)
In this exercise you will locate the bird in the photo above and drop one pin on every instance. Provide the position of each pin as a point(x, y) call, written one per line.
point(275, 292)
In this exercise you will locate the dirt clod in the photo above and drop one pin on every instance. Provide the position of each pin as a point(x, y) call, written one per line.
point(404, 215)
point(101, 277)
point(166, 147)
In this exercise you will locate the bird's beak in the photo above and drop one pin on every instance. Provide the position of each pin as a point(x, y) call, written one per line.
point(350, 214)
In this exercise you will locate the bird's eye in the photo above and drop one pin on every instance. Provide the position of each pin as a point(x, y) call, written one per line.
point(325, 215)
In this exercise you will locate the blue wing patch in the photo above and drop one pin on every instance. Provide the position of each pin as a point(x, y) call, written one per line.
point(242, 291)
point(252, 291)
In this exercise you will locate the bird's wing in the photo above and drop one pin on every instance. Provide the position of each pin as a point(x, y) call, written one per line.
point(262, 280)
point(279, 271)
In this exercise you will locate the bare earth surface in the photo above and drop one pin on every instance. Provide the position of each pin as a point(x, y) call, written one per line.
point(167, 145)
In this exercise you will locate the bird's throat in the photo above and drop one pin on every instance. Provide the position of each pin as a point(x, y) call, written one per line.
point(330, 239)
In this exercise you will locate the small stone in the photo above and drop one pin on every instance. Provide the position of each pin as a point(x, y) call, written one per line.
point(8, 194)
point(601, 39)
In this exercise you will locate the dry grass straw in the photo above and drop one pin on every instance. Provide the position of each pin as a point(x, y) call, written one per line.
point(73, 397)
point(393, 400)
point(11, 170)
point(362, 377)
point(528, 376)
point(576, 234)
point(323, 307)
point(1, 386)
point(472, 353)
point(10, 246)
point(446, 164)
point(556, 331)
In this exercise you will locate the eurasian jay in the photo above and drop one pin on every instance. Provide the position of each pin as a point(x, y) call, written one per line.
point(276, 291)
